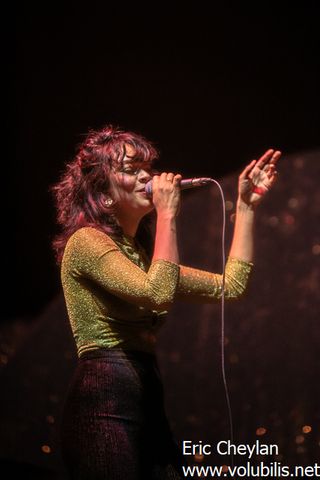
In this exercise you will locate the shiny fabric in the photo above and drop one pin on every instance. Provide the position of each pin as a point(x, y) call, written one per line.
point(116, 297)
point(114, 425)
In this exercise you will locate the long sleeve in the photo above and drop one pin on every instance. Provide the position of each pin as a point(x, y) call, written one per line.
point(199, 286)
point(93, 255)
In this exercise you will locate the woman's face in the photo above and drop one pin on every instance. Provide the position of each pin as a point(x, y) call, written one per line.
point(128, 185)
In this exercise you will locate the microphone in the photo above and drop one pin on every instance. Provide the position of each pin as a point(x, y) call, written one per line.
point(184, 184)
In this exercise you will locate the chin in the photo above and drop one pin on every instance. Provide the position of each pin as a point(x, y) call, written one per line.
point(146, 202)
point(148, 208)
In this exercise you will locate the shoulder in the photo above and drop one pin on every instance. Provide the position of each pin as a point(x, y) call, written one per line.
point(88, 235)
point(88, 242)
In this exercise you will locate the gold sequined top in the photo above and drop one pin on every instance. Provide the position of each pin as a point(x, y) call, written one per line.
point(115, 297)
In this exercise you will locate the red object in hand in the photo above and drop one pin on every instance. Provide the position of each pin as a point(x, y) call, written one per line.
point(259, 190)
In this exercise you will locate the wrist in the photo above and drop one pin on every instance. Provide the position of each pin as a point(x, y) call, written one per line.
point(166, 217)
point(166, 224)
point(166, 239)
point(244, 207)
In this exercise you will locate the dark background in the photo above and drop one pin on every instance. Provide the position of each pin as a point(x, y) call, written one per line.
point(213, 87)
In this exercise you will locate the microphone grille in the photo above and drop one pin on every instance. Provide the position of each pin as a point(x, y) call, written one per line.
point(148, 188)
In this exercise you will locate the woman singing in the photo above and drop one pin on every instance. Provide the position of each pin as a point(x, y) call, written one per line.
point(118, 290)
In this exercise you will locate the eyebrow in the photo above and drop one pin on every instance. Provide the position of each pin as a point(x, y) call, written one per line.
point(130, 160)
point(134, 159)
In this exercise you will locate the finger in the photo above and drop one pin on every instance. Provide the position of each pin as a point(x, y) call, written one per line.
point(170, 177)
point(273, 160)
point(155, 181)
point(272, 179)
point(177, 179)
point(275, 157)
point(247, 170)
point(268, 166)
point(265, 158)
point(162, 178)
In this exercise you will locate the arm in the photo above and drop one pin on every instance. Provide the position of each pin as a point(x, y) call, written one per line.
point(92, 255)
point(197, 285)
point(255, 180)
point(166, 199)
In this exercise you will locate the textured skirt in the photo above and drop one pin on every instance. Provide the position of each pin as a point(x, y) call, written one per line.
point(114, 424)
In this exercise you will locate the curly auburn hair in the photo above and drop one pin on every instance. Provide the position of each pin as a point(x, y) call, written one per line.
point(81, 192)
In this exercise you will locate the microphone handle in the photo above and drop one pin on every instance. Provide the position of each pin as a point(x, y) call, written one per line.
point(194, 182)
point(184, 184)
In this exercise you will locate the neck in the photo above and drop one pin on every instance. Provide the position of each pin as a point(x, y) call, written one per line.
point(129, 225)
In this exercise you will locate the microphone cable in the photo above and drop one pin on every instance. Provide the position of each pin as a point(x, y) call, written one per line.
point(222, 338)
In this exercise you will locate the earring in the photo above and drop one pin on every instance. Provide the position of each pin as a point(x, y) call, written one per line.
point(108, 202)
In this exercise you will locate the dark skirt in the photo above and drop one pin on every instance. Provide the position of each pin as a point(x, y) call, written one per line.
point(114, 424)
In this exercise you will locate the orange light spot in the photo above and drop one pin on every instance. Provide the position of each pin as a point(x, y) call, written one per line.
point(306, 429)
point(198, 458)
point(46, 449)
point(261, 431)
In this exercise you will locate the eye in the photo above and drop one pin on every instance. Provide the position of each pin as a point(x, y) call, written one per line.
point(135, 167)
point(147, 167)
point(130, 170)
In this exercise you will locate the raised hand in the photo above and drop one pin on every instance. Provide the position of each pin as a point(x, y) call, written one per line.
point(258, 178)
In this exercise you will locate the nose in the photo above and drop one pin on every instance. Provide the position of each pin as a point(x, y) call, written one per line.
point(144, 176)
